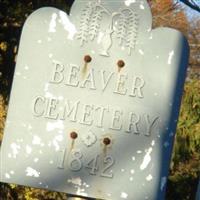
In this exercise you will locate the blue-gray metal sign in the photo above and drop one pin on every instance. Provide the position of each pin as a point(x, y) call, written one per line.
point(95, 101)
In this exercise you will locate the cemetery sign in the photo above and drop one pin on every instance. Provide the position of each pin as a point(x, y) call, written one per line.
point(94, 102)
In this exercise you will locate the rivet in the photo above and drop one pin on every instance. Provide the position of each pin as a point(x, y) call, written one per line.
point(87, 58)
point(121, 63)
point(73, 135)
point(106, 141)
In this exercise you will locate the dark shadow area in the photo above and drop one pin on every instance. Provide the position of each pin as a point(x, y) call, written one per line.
point(12, 17)
point(178, 93)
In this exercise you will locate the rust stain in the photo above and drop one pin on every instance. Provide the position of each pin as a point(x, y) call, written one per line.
point(72, 145)
point(104, 151)
point(107, 144)
point(84, 70)
point(87, 59)
point(120, 86)
point(73, 136)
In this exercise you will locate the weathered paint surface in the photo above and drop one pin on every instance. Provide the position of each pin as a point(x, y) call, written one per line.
point(94, 102)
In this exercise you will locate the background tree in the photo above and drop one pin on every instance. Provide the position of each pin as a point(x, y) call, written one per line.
point(194, 4)
point(176, 15)
point(169, 14)
point(194, 41)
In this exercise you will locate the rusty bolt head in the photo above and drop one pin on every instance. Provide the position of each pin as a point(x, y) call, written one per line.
point(73, 135)
point(87, 58)
point(106, 141)
point(121, 63)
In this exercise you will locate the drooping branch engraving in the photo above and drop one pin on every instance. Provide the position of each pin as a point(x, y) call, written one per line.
point(122, 28)
point(132, 31)
point(96, 20)
point(95, 23)
point(126, 30)
point(85, 23)
point(90, 21)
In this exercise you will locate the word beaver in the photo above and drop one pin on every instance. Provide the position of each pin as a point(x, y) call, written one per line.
point(71, 76)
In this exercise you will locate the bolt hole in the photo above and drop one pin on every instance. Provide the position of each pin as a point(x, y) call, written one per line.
point(107, 141)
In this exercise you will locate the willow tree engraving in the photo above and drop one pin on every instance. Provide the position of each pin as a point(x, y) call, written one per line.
point(90, 21)
point(126, 29)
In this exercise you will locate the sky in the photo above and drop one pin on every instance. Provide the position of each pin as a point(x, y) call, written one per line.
point(191, 13)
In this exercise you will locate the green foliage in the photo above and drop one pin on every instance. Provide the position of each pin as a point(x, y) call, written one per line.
point(2, 116)
point(188, 133)
point(185, 165)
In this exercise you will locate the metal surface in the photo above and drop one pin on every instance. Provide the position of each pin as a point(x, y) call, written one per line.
point(94, 102)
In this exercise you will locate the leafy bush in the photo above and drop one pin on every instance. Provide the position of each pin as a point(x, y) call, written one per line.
point(185, 165)
point(188, 133)
point(2, 116)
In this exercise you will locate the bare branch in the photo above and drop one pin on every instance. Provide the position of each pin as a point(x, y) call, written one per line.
point(191, 4)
